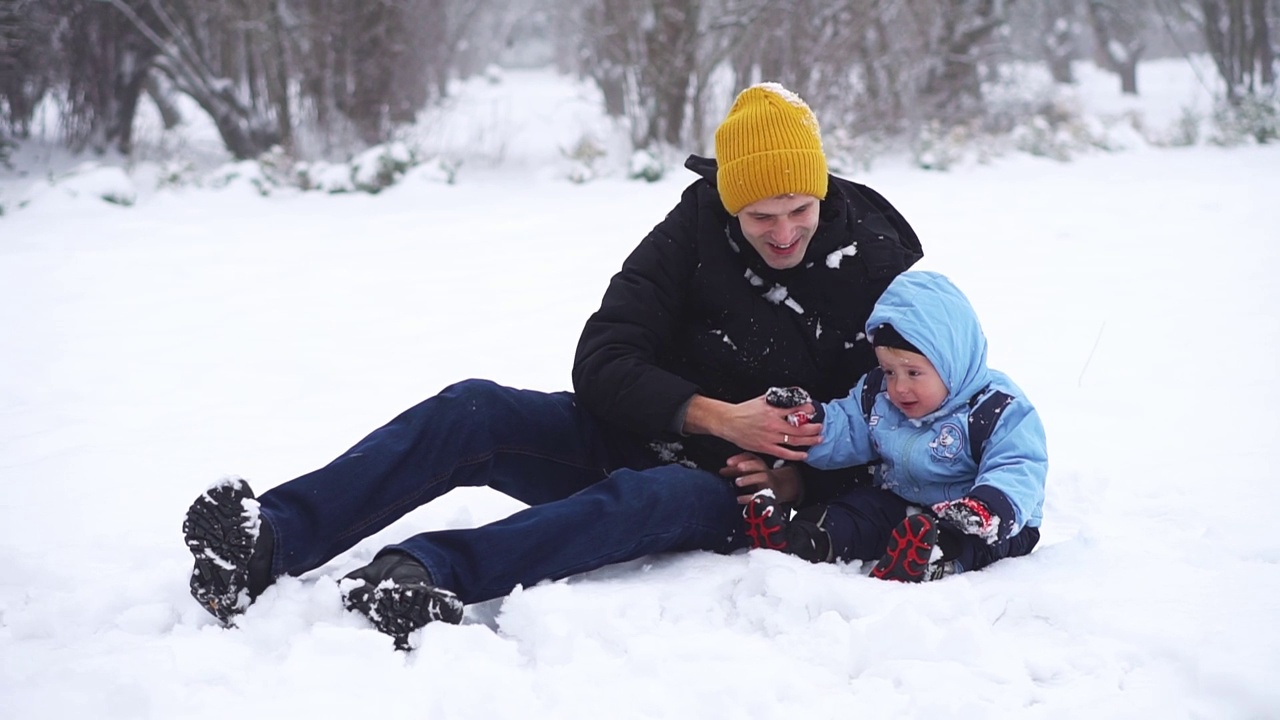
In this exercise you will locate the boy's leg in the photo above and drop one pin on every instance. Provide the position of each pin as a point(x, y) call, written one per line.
point(923, 547)
point(973, 553)
point(768, 523)
point(861, 521)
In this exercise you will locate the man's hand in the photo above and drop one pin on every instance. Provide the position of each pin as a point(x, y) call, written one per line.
point(753, 475)
point(754, 425)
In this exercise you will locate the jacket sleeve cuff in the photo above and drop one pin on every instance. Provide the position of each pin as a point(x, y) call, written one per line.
point(677, 421)
point(1000, 505)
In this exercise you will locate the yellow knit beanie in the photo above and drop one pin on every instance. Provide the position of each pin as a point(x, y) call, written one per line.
point(768, 145)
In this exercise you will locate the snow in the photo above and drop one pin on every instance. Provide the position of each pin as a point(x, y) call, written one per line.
point(88, 181)
point(146, 351)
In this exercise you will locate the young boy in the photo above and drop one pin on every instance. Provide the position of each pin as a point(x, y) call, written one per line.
point(961, 484)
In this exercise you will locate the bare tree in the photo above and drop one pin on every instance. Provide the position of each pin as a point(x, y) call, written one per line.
point(1239, 40)
point(881, 95)
point(1059, 25)
point(106, 63)
point(816, 48)
point(191, 45)
point(886, 67)
point(369, 67)
point(1118, 29)
point(960, 35)
point(26, 70)
point(653, 60)
point(621, 38)
point(342, 72)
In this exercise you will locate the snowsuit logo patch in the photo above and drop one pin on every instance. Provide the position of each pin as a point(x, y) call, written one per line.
point(947, 445)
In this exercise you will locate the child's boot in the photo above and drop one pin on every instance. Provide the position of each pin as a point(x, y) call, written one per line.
point(913, 554)
point(770, 525)
point(766, 521)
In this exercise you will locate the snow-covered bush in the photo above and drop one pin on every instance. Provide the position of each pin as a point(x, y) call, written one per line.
point(1253, 119)
point(111, 184)
point(175, 173)
point(244, 172)
point(271, 171)
point(380, 166)
point(849, 152)
point(936, 148)
point(1058, 130)
point(583, 157)
point(371, 171)
point(1039, 137)
point(645, 165)
point(327, 177)
point(1186, 131)
point(89, 181)
point(436, 170)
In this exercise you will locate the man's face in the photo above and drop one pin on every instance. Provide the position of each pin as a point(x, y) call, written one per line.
point(914, 385)
point(780, 228)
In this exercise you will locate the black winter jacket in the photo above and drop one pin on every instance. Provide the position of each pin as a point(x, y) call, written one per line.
point(695, 309)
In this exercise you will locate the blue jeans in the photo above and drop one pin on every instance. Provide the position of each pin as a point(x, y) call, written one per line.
point(596, 495)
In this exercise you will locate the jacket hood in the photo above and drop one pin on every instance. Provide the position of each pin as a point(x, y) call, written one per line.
point(932, 314)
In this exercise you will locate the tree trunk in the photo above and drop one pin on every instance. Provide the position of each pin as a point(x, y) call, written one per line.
point(157, 88)
point(1119, 42)
point(1060, 39)
point(1263, 53)
point(1239, 42)
point(953, 84)
point(244, 130)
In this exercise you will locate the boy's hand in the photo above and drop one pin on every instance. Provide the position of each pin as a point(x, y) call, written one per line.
point(751, 475)
point(787, 397)
point(970, 516)
point(794, 397)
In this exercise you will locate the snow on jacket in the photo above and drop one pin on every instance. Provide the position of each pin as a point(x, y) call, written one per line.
point(695, 309)
point(927, 460)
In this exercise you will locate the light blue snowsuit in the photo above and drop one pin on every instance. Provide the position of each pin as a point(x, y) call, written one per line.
point(927, 460)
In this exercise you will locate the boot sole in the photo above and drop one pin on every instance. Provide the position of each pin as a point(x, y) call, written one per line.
point(910, 547)
point(765, 525)
point(398, 610)
point(220, 531)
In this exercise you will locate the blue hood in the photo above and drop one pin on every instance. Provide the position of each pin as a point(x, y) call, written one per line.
point(932, 314)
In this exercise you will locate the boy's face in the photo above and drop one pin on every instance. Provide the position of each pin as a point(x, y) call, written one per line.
point(914, 385)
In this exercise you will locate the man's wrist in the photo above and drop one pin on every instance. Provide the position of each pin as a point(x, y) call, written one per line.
point(677, 424)
point(702, 416)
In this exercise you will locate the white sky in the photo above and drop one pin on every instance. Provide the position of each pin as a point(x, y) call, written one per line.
point(144, 352)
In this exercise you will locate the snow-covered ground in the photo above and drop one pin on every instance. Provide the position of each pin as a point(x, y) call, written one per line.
point(146, 351)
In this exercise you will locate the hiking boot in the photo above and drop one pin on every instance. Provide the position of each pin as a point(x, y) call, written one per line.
point(766, 521)
point(913, 554)
point(232, 549)
point(398, 596)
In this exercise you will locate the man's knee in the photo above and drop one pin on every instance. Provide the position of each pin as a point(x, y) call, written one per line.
point(675, 494)
point(475, 390)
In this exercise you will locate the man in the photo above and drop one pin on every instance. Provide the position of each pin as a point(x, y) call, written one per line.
point(763, 275)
